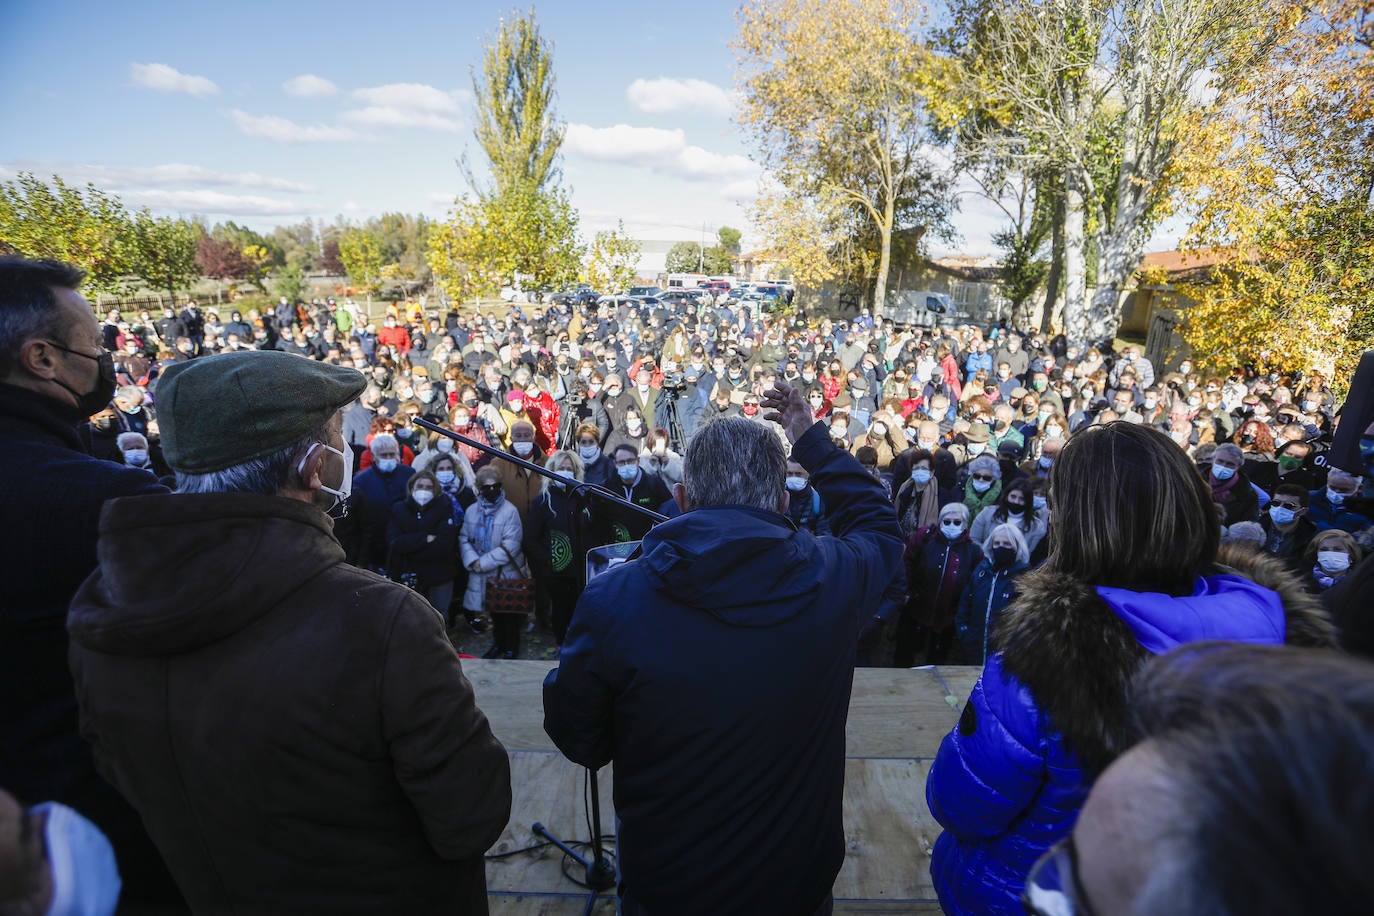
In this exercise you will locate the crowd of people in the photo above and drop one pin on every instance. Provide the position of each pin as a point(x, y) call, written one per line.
point(285, 725)
point(962, 425)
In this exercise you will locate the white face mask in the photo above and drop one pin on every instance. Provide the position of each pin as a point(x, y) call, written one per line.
point(346, 484)
point(796, 484)
point(386, 465)
point(977, 448)
point(878, 429)
point(1333, 561)
point(523, 449)
point(85, 879)
point(444, 445)
point(952, 530)
point(421, 497)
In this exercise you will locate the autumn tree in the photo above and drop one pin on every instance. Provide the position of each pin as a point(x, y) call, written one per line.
point(612, 260)
point(361, 255)
point(1099, 100)
point(518, 225)
point(816, 237)
point(221, 258)
point(1284, 196)
point(833, 95)
point(88, 228)
point(164, 251)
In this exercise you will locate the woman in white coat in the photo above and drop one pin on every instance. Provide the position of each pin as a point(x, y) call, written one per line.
point(490, 544)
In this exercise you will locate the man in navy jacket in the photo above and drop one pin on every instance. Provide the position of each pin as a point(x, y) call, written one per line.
point(715, 671)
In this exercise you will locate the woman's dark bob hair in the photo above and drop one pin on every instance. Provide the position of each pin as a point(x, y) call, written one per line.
point(1131, 511)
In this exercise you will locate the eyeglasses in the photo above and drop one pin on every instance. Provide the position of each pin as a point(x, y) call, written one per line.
point(1053, 887)
point(983, 477)
point(626, 462)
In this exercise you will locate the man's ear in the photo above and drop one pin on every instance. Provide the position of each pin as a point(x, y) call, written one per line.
point(680, 497)
point(309, 468)
point(39, 358)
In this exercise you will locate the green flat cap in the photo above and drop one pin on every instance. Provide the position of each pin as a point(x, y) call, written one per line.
point(219, 411)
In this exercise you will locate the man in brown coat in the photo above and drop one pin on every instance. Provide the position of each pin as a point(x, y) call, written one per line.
point(296, 733)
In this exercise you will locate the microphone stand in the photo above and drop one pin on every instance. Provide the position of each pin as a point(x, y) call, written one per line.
point(600, 871)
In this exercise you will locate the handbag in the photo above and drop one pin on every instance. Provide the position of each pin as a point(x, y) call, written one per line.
point(510, 595)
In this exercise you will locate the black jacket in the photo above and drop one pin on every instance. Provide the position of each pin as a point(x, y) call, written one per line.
point(715, 670)
point(49, 507)
point(409, 549)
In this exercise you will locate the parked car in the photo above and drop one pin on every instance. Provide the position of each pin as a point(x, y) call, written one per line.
point(636, 292)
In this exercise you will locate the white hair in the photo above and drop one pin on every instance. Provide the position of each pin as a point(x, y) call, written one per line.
point(383, 439)
point(126, 441)
point(1017, 539)
point(959, 508)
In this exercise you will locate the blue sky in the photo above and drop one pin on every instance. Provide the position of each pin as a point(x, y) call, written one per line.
point(267, 113)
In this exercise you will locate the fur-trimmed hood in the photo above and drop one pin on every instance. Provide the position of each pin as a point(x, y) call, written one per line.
point(1076, 647)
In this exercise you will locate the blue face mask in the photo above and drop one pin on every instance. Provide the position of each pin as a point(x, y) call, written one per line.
point(1281, 515)
point(387, 465)
point(627, 472)
point(921, 477)
point(85, 878)
point(1223, 473)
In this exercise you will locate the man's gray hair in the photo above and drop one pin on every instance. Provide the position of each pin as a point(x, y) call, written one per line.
point(1229, 450)
point(125, 441)
point(267, 475)
point(734, 461)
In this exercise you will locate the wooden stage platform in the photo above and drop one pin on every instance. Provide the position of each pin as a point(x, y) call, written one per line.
point(896, 721)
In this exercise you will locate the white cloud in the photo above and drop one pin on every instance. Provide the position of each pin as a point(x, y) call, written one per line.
point(665, 95)
point(308, 86)
point(271, 127)
point(172, 173)
point(663, 151)
point(382, 116)
point(407, 105)
point(167, 79)
point(409, 96)
point(213, 202)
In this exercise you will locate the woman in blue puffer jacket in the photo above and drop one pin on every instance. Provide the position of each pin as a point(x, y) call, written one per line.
point(1134, 571)
point(993, 585)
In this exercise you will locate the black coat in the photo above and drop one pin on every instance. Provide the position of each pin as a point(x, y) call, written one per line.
point(409, 549)
point(649, 492)
point(49, 510)
point(557, 536)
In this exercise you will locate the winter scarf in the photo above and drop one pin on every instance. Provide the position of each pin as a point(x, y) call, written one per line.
point(977, 503)
point(482, 536)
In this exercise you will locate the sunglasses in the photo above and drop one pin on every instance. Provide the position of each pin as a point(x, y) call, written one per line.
point(983, 477)
point(1053, 887)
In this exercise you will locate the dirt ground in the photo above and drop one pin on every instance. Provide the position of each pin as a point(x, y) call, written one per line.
point(537, 644)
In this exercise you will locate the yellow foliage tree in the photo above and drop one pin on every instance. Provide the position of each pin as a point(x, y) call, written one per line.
point(1284, 189)
point(834, 94)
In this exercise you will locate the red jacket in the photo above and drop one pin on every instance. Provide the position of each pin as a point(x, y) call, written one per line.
point(545, 414)
point(398, 337)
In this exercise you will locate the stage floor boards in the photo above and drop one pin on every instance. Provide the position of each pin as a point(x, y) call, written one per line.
point(897, 718)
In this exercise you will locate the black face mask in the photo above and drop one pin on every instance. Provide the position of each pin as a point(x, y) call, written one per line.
point(98, 397)
point(1003, 557)
point(490, 493)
